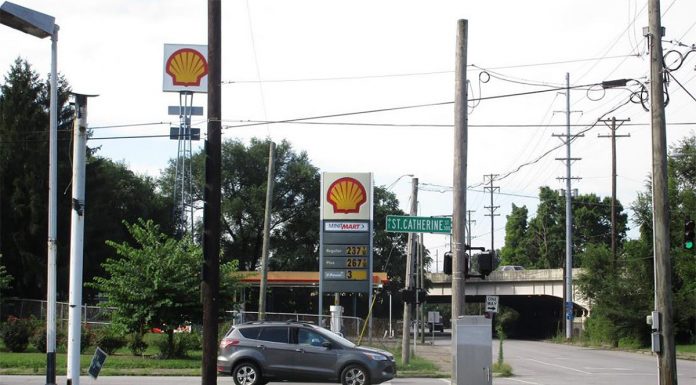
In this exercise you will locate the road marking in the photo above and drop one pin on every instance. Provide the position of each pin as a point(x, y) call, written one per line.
point(559, 366)
point(514, 379)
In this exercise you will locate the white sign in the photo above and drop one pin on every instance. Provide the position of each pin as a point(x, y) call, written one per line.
point(346, 226)
point(185, 68)
point(492, 303)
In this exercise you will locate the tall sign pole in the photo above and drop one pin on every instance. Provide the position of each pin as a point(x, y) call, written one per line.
point(210, 285)
point(461, 132)
point(666, 355)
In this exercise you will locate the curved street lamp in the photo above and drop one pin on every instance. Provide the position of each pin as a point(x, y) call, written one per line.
point(42, 26)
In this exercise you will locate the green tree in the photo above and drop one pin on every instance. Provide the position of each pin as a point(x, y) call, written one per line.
point(115, 194)
point(5, 279)
point(156, 283)
point(621, 298)
point(514, 252)
point(24, 105)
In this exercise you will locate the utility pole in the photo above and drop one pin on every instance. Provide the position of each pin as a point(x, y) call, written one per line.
point(266, 231)
point(568, 288)
point(410, 256)
point(421, 274)
point(491, 208)
point(210, 285)
point(613, 137)
point(77, 232)
point(666, 355)
point(461, 138)
point(468, 226)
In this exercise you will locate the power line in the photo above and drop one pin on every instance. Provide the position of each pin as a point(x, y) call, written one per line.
point(412, 74)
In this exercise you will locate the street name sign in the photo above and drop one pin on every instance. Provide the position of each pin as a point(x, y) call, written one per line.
point(409, 224)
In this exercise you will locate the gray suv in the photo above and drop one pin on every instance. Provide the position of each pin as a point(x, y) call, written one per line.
point(255, 353)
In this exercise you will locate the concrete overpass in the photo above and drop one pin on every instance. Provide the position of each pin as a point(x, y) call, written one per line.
point(543, 282)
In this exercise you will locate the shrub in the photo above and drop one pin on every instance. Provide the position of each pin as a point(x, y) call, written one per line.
point(38, 338)
point(503, 369)
point(136, 344)
point(630, 343)
point(182, 344)
point(87, 337)
point(15, 334)
point(109, 340)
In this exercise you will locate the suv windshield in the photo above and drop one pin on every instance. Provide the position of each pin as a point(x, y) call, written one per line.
point(335, 337)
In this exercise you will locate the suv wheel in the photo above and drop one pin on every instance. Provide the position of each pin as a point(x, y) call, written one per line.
point(355, 375)
point(247, 373)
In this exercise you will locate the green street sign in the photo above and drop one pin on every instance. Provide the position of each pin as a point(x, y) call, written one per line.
point(408, 224)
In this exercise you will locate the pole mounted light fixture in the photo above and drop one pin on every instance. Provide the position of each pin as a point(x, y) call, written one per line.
point(42, 26)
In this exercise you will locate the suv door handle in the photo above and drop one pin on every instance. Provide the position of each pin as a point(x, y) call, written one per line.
point(261, 346)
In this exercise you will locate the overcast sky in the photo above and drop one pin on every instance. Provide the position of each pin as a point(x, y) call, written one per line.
point(300, 59)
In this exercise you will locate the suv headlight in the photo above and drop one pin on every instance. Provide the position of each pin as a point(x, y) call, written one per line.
point(376, 357)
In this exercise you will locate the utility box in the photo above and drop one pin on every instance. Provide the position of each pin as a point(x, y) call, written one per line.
point(473, 351)
point(336, 319)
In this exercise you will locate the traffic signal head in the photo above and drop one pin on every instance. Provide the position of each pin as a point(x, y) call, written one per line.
point(689, 234)
point(486, 262)
point(422, 296)
point(408, 295)
point(447, 264)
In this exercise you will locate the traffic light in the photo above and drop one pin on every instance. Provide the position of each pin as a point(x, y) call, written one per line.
point(689, 234)
point(447, 264)
point(486, 262)
point(408, 295)
point(422, 295)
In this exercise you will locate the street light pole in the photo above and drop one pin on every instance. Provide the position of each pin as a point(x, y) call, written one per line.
point(42, 26)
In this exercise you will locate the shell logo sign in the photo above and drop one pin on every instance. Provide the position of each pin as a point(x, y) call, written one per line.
point(346, 195)
point(185, 68)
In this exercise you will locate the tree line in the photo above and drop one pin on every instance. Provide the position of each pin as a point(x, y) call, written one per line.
point(120, 202)
point(620, 290)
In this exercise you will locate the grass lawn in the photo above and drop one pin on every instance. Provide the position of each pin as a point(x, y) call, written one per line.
point(417, 366)
point(122, 362)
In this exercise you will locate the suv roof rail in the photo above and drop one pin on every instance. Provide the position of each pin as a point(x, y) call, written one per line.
point(292, 321)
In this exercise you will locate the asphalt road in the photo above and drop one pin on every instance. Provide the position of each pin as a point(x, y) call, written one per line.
point(533, 363)
point(36, 380)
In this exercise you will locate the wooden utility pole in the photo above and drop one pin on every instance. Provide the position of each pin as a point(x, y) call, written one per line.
point(210, 285)
point(266, 231)
point(666, 354)
point(613, 137)
point(461, 133)
point(410, 254)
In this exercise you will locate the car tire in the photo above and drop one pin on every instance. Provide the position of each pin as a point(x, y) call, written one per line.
point(355, 375)
point(247, 373)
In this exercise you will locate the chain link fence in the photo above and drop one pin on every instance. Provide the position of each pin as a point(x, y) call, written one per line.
point(27, 308)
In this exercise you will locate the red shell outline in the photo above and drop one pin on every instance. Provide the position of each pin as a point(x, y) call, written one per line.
point(357, 206)
point(186, 84)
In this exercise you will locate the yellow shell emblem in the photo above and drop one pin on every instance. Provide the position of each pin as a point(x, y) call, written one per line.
point(346, 195)
point(187, 67)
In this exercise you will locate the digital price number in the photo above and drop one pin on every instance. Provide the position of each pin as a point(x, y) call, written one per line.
point(358, 275)
point(356, 250)
point(356, 262)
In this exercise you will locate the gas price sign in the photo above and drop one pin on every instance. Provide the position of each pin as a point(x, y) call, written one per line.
point(346, 242)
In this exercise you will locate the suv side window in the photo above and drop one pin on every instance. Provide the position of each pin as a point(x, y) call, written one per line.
point(309, 337)
point(250, 333)
point(274, 334)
